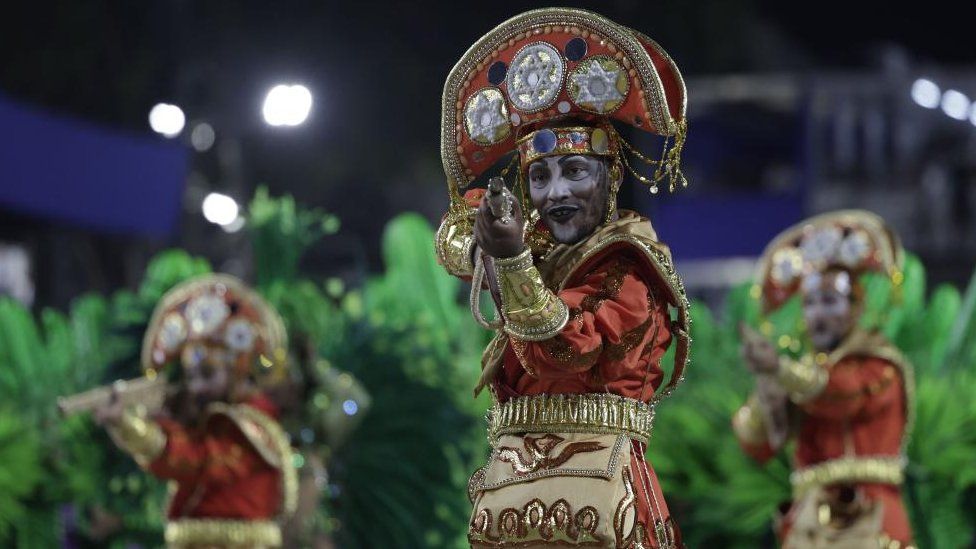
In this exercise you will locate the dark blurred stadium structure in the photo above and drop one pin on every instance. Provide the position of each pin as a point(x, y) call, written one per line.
point(791, 112)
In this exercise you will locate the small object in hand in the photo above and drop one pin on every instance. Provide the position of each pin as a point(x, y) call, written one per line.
point(759, 353)
point(500, 200)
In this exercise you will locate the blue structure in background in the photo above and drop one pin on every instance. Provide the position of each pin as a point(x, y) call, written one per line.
point(67, 170)
point(727, 211)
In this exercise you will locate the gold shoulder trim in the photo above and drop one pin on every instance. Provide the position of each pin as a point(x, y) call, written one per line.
point(872, 343)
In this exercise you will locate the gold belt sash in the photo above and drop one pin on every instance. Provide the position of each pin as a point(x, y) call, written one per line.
point(599, 413)
point(223, 533)
point(881, 470)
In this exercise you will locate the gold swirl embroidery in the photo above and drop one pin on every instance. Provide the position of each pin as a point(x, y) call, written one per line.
point(565, 354)
point(536, 523)
point(539, 448)
point(628, 342)
point(609, 288)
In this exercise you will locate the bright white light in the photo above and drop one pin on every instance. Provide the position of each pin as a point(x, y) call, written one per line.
point(287, 105)
point(167, 119)
point(202, 137)
point(972, 114)
point(220, 209)
point(955, 104)
point(926, 93)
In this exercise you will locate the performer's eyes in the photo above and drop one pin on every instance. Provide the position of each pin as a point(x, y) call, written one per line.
point(576, 171)
point(538, 176)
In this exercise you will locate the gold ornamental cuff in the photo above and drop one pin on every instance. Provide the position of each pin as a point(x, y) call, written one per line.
point(223, 533)
point(803, 379)
point(748, 423)
point(138, 436)
point(454, 243)
point(599, 413)
point(532, 311)
point(881, 470)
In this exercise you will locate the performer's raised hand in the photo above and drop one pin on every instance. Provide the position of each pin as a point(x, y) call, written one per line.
point(758, 352)
point(499, 236)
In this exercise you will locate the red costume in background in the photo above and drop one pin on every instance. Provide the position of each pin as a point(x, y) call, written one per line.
point(849, 411)
point(228, 470)
point(233, 480)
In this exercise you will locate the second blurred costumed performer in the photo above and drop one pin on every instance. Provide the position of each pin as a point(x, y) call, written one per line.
point(847, 401)
point(588, 296)
point(216, 437)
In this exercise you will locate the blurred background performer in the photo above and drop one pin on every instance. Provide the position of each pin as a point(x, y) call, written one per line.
point(585, 291)
point(847, 401)
point(217, 437)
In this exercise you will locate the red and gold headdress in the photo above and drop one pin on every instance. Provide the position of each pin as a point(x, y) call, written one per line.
point(855, 241)
point(510, 89)
point(217, 311)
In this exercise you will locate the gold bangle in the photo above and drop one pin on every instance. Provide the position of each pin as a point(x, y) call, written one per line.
point(748, 423)
point(141, 438)
point(532, 311)
point(803, 379)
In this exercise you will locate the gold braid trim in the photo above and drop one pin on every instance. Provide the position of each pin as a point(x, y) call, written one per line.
point(867, 343)
point(223, 533)
point(803, 379)
point(880, 469)
point(609, 288)
point(270, 441)
point(532, 311)
point(138, 436)
point(599, 413)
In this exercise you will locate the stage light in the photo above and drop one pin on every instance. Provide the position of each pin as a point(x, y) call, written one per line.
point(167, 119)
point(926, 93)
point(955, 104)
point(202, 137)
point(286, 105)
point(220, 209)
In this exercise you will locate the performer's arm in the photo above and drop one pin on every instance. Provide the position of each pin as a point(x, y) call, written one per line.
point(608, 314)
point(856, 386)
point(454, 240)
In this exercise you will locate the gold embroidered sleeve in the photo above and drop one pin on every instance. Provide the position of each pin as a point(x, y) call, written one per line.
point(803, 379)
point(532, 311)
point(138, 436)
point(454, 243)
point(748, 423)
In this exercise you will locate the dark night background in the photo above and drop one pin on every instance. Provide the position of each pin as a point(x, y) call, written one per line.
point(370, 148)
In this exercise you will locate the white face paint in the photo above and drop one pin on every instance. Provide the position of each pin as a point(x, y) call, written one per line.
point(827, 309)
point(570, 193)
